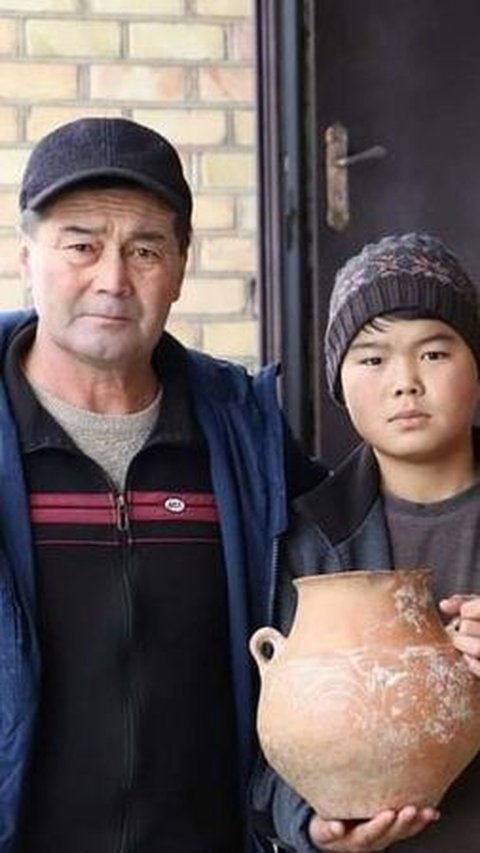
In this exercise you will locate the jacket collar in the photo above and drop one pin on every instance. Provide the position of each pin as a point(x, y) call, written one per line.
point(339, 503)
point(176, 425)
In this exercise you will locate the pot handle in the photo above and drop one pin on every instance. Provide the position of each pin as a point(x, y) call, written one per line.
point(265, 645)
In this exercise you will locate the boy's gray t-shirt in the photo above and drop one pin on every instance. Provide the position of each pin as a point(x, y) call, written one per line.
point(444, 537)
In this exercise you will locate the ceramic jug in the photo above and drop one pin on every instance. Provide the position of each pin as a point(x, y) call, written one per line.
point(366, 705)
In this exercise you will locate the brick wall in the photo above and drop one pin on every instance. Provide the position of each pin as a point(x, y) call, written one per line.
point(184, 67)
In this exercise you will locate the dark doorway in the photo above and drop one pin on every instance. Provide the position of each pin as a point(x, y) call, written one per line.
point(405, 77)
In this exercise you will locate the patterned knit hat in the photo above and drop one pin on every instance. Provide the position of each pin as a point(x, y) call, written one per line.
point(409, 272)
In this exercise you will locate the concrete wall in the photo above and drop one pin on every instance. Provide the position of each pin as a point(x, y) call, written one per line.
point(184, 67)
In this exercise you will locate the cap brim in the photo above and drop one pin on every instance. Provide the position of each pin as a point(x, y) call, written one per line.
point(131, 176)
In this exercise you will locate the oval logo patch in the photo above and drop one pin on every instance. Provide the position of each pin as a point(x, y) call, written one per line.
point(174, 504)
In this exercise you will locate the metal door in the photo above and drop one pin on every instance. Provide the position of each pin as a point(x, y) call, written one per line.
point(396, 91)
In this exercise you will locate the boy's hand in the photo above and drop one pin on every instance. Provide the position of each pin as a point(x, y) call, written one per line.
point(464, 627)
point(384, 829)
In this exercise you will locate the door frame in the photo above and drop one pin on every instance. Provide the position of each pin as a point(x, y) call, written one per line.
point(285, 205)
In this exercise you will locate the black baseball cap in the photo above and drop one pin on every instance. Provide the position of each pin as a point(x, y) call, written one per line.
point(103, 148)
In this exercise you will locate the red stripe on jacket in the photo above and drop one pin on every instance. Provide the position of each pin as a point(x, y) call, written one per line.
point(88, 508)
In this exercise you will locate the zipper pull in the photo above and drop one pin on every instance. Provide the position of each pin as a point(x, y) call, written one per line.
point(122, 514)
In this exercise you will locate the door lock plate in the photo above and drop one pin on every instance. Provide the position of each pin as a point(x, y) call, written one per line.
point(337, 163)
point(336, 151)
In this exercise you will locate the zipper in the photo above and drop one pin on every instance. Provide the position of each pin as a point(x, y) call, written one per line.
point(123, 521)
point(274, 578)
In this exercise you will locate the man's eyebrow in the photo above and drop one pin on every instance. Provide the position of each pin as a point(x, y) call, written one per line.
point(79, 229)
point(90, 230)
point(150, 236)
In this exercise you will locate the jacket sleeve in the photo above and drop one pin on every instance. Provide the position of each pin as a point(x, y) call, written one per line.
point(279, 813)
point(302, 472)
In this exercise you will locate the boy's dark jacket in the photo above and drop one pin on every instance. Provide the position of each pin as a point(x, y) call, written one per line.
point(244, 430)
point(338, 525)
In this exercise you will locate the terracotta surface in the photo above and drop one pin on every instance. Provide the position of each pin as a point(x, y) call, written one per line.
point(366, 704)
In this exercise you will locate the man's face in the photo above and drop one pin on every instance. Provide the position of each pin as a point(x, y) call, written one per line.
point(411, 388)
point(104, 267)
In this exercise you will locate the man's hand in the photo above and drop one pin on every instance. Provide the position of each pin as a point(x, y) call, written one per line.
point(384, 829)
point(464, 627)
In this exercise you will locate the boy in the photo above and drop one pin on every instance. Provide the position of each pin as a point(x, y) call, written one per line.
point(402, 354)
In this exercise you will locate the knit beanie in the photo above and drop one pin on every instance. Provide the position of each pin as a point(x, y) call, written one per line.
point(413, 272)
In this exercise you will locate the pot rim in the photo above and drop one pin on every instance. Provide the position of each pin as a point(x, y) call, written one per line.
point(371, 574)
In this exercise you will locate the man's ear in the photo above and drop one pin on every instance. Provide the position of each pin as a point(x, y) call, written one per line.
point(24, 258)
point(181, 277)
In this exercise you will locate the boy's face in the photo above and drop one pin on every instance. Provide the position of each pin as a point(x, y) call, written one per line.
point(411, 388)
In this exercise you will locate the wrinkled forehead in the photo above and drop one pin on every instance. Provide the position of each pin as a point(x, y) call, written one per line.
point(97, 208)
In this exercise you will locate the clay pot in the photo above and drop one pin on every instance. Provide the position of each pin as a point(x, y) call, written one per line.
point(366, 705)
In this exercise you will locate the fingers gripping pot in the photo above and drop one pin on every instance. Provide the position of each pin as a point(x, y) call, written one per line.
point(366, 705)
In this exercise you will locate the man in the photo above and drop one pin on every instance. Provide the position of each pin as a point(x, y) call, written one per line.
point(142, 490)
